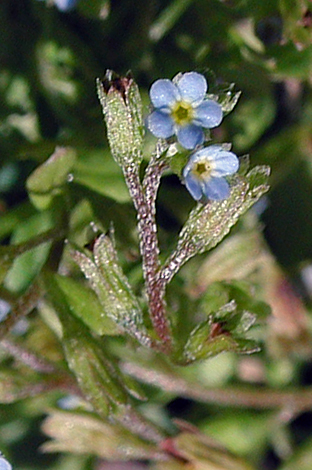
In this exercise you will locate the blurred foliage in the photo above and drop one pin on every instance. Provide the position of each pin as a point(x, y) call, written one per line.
point(59, 183)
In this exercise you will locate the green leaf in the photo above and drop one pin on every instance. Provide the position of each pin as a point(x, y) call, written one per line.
point(122, 109)
point(84, 433)
point(9, 220)
point(7, 257)
point(291, 63)
point(252, 118)
point(210, 338)
point(242, 432)
point(221, 293)
point(203, 345)
point(83, 303)
point(112, 288)
point(231, 311)
point(208, 224)
point(97, 376)
point(49, 178)
point(24, 268)
point(168, 18)
point(97, 171)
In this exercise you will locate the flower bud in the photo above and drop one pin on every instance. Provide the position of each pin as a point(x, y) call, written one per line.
point(122, 109)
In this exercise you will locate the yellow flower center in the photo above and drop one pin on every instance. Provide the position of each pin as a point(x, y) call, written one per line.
point(182, 113)
point(202, 170)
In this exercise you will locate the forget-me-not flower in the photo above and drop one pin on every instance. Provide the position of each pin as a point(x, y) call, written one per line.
point(64, 5)
point(181, 108)
point(205, 171)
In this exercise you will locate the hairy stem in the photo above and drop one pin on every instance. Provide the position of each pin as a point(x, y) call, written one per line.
point(63, 383)
point(175, 262)
point(296, 401)
point(137, 423)
point(27, 357)
point(144, 202)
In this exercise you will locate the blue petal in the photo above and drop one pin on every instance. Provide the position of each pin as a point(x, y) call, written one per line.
point(4, 464)
point(225, 163)
point(190, 136)
point(193, 186)
point(216, 189)
point(208, 114)
point(193, 87)
point(164, 93)
point(65, 5)
point(160, 124)
point(208, 153)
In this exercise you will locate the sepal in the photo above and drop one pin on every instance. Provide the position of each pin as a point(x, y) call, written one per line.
point(227, 325)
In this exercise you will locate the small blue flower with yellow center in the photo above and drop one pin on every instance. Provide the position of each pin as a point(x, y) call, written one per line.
point(205, 171)
point(181, 108)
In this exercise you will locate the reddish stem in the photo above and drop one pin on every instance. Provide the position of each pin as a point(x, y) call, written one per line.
point(144, 202)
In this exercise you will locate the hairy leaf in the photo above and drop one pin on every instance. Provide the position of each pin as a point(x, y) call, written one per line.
point(112, 288)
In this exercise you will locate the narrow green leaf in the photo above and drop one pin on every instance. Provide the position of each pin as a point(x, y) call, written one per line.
point(226, 328)
point(112, 288)
point(7, 257)
point(24, 268)
point(202, 344)
point(83, 303)
point(208, 224)
point(167, 19)
point(98, 171)
point(97, 376)
point(9, 220)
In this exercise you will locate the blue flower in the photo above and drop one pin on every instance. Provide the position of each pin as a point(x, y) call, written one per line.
point(205, 171)
point(65, 5)
point(180, 108)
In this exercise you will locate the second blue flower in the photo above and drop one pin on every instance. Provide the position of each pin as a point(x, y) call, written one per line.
point(204, 174)
point(181, 108)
